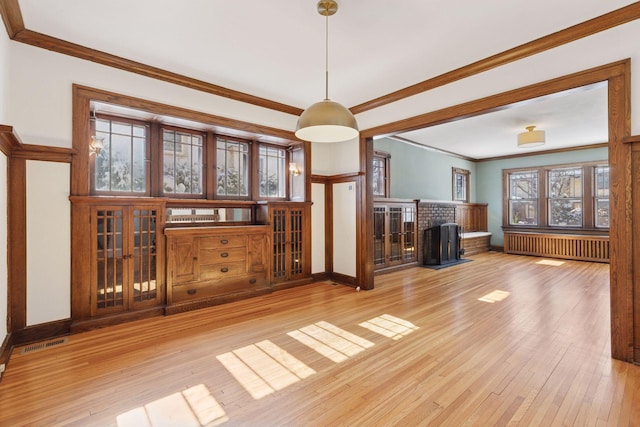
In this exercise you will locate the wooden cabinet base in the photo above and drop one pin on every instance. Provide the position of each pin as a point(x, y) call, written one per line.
point(211, 301)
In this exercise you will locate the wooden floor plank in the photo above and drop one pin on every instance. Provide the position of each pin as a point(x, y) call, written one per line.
point(500, 340)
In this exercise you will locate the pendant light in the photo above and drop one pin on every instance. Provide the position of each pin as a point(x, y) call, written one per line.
point(327, 121)
point(531, 138)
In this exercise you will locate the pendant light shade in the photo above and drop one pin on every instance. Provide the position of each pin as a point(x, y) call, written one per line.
point(327, 121)
point(531, 138)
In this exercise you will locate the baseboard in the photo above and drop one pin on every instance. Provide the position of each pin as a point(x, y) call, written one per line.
point(116, 319)
point(494, 248)
point(211, 301)
point(5, 353)
point(293, 283)
point(395, 268)
point(320, 277)
point(343, 279)
point(41, 332)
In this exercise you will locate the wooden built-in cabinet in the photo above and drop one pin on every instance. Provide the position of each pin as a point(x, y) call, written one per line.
point(211, 265)
point(118, 263)
point(394, 234)
point(290, 227)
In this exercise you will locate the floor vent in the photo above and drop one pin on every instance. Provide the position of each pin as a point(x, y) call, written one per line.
point(43, 345)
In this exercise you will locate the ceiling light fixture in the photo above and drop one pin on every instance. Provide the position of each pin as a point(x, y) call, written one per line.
point(327, 121)
point(531, 138)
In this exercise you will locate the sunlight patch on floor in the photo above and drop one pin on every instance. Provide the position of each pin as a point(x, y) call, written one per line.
point(494, 296)
point(552, 262)
point(193, 407)
point(263, 368)
point(390, 326)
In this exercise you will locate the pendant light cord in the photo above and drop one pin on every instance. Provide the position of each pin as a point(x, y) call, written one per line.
point(326, 57)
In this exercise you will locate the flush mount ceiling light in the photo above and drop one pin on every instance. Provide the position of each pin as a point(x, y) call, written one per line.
point(531, 138)
point(327, 121)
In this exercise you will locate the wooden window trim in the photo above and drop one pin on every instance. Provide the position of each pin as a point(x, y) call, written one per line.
point(159, 176)
point(386, 158)
point(256, 173)
point(459, 171)
point(148, 151)
point(251, 168)
point(588, 200)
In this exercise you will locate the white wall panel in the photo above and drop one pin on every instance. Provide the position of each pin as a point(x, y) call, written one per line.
point(48, 242)
point(344, 228)
point(317, 229)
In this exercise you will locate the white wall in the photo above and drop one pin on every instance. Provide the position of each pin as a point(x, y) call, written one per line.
point(335, 159)
point(317, 229)
point(4, 75)
point(344, 228)
point(48, 242)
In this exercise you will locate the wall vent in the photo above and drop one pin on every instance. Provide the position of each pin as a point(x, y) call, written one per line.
point(43, 345)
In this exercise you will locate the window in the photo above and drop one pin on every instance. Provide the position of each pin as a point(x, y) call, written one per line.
point(523, 198)
point(272, 171)
point(460, 185)
point(565, 197)
point(232, 168)
point(380, 169)
point(151, 159)
point(601, 183)
point(558, 197)
point(182, 162)
point(121, 165)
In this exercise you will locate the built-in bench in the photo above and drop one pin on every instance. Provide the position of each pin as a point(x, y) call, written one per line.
point(475, 242)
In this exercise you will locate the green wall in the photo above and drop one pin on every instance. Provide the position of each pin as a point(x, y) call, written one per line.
point(418, 173)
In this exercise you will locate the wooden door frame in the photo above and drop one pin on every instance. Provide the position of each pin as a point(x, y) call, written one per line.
point(618, 77)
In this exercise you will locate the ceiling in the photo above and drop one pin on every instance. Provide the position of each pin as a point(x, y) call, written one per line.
point(275, 50)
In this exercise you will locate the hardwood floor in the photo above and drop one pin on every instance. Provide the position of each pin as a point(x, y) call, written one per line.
point(501, 340)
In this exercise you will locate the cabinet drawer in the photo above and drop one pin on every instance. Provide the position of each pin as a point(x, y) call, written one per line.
point(222, 270)
point(214, 288)
point(216, 256)
point(224, 241)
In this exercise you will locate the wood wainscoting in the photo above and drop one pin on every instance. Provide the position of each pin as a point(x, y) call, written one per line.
point(565, 246)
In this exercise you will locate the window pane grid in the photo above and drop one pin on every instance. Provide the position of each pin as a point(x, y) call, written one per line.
point(601, 181)
point(565, 197)
point(121, 164)
point(272, 171)
point(182, 163)
point(232, 168)
point(523, 195)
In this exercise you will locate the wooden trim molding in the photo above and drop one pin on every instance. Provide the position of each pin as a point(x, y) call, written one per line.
point(17, 245)
point(499, 101)
point(54, 44)
point(587, 28)
point(12, 17)
point(44, 153)
point(9, 140)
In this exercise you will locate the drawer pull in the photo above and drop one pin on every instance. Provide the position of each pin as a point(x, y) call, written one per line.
point(252, 281)
point(224, 254)
point(224, 241)
point(224, 269)
point(191, 291)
